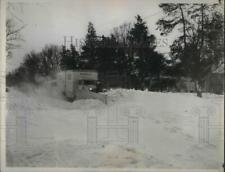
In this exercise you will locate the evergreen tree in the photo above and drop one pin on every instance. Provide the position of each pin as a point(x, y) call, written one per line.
point(106, 52)
point(70, 58)
point(144, 62)
point(175, 16)
point(31, 66)
point(88, 53)
point(195, 49)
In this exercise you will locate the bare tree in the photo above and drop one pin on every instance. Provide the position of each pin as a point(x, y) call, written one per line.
point(121, 32)
point(50, 59)
point(13, 36)
point(14, 26)
point(203, 27)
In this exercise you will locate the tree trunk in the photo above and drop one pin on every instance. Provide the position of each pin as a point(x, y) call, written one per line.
point(184, 25)
point(202, 26)
point(198, 88)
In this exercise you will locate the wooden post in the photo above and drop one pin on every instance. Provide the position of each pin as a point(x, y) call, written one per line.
point(92, 130)
point(204, 129)
point(21, 130)
point(133, 130)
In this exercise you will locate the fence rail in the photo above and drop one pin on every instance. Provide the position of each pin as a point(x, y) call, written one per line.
point(112, 131)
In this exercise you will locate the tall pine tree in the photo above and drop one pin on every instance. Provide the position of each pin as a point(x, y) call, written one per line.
point(89, 49)
point(144, 62)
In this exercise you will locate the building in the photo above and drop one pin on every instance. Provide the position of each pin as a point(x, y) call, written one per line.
point(214, 81)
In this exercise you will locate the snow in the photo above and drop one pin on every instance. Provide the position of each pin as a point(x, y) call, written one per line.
point(168, 130)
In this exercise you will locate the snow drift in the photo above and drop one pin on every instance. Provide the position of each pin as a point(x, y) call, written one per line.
point(56, 130)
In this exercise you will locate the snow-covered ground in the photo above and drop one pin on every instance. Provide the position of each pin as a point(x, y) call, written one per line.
point(44, 130)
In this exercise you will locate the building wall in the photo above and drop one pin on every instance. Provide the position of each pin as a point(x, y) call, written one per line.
point(185, 85)
point(214, 83)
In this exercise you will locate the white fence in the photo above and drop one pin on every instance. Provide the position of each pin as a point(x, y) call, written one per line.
point(207, 127)
point(112, 130)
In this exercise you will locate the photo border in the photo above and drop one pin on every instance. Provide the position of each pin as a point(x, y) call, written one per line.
point(4, 168)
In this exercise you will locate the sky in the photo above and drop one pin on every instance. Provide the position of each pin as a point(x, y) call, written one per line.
point(48, 21)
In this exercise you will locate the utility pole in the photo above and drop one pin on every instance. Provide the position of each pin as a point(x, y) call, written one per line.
point(68, 41)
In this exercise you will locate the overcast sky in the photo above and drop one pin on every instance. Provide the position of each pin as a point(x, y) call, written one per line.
point(48, 21)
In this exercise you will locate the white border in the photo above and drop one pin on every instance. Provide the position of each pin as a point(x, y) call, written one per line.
point(2, 81)
point(2, 106)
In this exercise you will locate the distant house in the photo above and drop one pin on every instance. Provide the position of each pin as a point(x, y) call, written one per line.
point(214, 81)
point(169, 83)
point(113, 79)
point(162, 83)
point(185, 84)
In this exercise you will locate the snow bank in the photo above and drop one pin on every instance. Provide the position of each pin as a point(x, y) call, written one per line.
point(168, 129)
